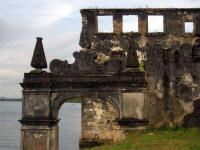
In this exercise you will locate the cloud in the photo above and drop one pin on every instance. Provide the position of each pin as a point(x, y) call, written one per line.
point(52, 12)
point(35, 12)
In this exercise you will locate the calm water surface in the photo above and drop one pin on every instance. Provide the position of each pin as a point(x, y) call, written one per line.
point(69, 126)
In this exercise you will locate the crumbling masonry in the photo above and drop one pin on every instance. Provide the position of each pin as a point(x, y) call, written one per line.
point(117, 94)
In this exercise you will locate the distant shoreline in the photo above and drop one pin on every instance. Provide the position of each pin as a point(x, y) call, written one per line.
point(75, 100)
point(11, 99)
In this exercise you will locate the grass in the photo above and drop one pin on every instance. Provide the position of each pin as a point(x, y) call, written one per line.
point(169, 139)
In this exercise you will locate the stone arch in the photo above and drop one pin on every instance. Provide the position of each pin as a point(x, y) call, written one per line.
point(61, 98)
point(98, 118)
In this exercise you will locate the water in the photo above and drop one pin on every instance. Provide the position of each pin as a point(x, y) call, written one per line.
point(69, 126)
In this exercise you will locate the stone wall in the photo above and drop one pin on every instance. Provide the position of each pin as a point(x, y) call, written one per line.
point(171, 58)
point(173, 80)
point(98, 121)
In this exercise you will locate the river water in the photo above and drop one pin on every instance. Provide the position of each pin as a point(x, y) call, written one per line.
point(69, 126)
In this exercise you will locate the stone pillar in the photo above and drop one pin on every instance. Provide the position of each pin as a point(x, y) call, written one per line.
point(92, 26)
point(197, 27)
point(36, 105)
point(173, 24)
point(98, 124)
point(39, 131)
point(117, 23)
point(39, 135)
point(143, 24)
point(89, 28)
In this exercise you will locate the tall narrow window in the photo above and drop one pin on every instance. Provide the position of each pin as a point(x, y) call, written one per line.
point(105, 24)
point(130, 23)
point(155, 24)
point(189, 27)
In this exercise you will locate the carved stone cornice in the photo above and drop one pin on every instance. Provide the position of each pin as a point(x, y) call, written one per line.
point(85, 80)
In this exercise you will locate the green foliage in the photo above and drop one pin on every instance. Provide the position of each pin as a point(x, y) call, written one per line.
point(158, 139)
point(74, 100)
point(150, 128)
point(141, 66)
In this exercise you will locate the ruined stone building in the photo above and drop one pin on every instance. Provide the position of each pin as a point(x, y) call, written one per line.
point(118, 90)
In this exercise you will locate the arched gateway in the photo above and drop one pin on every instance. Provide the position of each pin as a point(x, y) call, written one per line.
point(106, 74)
point(44, 93)
point(101, 92)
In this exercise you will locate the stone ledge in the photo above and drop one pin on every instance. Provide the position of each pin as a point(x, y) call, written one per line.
point(38, 122)
point(125, 11)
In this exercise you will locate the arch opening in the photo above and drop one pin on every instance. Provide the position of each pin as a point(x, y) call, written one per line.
point(96, 111)
point(69, 114)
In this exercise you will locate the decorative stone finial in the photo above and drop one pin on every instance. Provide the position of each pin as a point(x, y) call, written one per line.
point(39, 59)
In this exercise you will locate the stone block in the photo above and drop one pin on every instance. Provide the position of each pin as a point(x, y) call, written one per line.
point(133, 105)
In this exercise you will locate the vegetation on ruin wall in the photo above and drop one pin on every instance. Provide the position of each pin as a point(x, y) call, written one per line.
point(169, 139)
point(141, 66)
point(74, 100)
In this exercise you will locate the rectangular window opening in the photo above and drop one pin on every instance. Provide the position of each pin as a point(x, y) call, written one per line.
point(130, 23)
point(155, 23)
point(105, 23)
point(189, 27)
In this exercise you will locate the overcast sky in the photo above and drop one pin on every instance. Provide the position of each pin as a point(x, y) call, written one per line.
point(58, 22)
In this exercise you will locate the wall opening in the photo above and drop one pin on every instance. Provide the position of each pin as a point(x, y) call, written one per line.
point(155, 23)
point(189, 27)
point(70, 124)
point(130, 23)
point(105, 23)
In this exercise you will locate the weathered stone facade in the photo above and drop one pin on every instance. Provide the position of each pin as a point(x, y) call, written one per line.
point(117, 94)
point(171, 57)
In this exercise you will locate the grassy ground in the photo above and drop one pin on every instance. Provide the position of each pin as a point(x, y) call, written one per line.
point(169, 139)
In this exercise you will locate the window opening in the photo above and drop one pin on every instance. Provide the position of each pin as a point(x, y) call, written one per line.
point(130, 23)
point(188, 27)
point(155, 24)
point(105, 24)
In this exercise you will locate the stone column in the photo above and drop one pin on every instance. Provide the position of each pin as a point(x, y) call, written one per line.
point(89, 28)
point(173, 24)
point(92, 26)
point(143, 24)
point(197, 27)
point(98, 124)
point(38, 131)
point(39, 135)
point(117, 23)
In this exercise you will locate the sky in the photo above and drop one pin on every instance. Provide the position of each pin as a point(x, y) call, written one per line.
point(59, 23)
